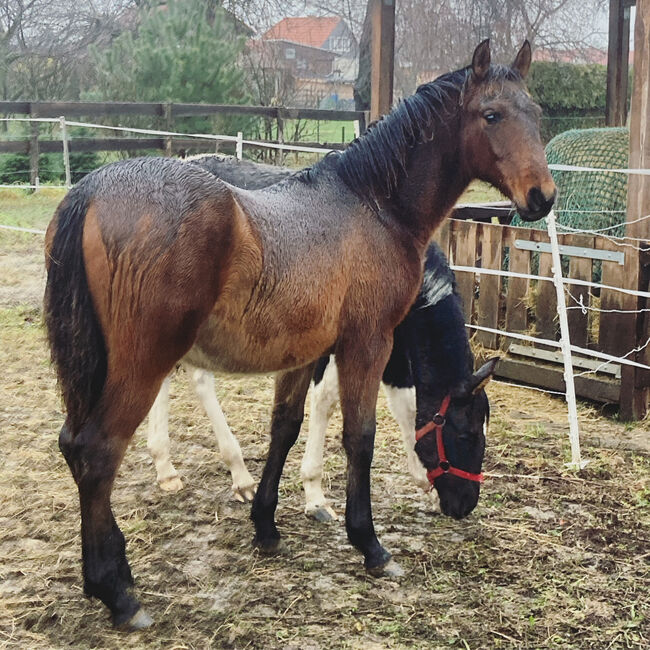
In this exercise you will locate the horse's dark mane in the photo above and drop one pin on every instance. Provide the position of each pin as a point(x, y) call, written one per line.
point(372, 163)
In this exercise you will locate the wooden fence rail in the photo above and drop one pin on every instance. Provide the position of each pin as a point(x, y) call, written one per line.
point(166, 113)
point(163, 109)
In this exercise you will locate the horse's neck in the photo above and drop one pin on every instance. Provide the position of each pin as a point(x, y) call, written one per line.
point(433, 182)
point(440, 350)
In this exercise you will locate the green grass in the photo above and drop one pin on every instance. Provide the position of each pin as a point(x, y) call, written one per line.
point(25, 210)
point(319, 131)
point(20, 208)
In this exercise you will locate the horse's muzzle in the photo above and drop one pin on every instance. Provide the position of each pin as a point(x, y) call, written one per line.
point(538, 204)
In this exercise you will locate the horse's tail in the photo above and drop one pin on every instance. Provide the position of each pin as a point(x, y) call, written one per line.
point(74, 333)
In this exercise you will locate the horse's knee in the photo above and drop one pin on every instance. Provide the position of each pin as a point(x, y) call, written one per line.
point(65, 441)
point(203, 383)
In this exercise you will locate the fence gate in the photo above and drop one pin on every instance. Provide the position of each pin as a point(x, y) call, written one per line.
point(528, 306)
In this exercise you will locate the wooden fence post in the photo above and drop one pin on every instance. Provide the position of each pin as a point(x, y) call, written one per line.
point(634, 381)
point(382, 56)
point(167, 114)
point(618, 52)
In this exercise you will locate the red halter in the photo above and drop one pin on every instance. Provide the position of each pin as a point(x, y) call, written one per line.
point(444, 466)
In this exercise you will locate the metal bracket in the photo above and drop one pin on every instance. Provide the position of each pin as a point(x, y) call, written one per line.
point(572, 251)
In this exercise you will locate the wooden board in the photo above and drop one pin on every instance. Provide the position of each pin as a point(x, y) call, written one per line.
point(463, 244)
point(490, 287)
point(534, 374)
point(76, 109)
point(442, 237)
point(546, 304)
point(579, 268)
point(516, 310)
point(614, 325)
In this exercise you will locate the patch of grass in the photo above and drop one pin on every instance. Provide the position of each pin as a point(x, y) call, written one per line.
point(25, 210)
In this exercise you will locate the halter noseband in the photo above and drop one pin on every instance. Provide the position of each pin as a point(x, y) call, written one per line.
point(444, 466)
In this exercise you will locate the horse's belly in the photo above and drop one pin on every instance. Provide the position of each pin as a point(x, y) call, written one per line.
point(265, 347)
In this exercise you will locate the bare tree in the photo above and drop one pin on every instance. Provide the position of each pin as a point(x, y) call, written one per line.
point(43, 43)
point(436, 35)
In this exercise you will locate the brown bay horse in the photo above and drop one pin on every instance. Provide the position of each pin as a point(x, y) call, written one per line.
point(151, 261)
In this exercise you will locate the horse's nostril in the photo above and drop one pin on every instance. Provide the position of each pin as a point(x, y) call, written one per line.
point(535, 199)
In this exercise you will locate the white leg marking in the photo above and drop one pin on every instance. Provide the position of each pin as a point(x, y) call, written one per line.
point(401, 402)
point(158, 441)
point(324, 398)
point(243, 484)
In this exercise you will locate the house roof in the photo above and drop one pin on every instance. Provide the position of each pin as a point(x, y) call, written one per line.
point(308, 30)
point(585, 55)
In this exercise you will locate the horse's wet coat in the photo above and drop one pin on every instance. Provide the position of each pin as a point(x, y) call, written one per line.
point(150, 260)
point(437, 284)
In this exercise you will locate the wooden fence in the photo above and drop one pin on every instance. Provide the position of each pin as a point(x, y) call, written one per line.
point(165, 113)
point(528, 306)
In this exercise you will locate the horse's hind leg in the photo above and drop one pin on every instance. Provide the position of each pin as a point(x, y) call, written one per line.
point(94, 456)
point(243, 484)
point(324, 396)
point(158, 441)
point(288, 410)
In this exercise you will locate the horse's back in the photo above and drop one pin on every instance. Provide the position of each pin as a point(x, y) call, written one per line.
point(157, 243)
point(241, 173)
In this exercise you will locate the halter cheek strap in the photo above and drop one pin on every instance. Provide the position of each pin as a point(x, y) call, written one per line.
point(444, 466)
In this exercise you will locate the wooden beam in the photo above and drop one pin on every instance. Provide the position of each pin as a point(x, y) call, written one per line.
point(635, 391)
point(382, 57)
point(618, 53)
point(535, 374)
point(91, 109)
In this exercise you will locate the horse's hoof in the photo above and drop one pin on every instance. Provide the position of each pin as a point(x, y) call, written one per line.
point(244, 494)
point(323, 514)
point(139, 621)
point(171, 484)
point(271, 547)
point(389, 570)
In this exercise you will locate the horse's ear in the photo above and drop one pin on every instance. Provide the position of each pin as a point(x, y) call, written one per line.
point(522, 61)
point(482, 376)
point(481, 60)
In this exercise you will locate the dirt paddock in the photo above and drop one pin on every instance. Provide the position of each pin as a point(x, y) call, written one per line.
point(548, 558)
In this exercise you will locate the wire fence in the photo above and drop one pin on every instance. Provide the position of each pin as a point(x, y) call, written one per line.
point(561, 283)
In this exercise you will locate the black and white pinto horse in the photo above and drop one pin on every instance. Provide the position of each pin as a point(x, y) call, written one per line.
point(433, 334)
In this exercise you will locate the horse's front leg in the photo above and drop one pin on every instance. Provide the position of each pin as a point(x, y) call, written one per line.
point(401, 403)
point(288, 411)
point(360, 369)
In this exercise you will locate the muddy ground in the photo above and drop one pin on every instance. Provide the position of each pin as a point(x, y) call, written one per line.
point(548, 559)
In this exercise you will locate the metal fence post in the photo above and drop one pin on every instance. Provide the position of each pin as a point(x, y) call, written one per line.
point(66, 153)
point(239, 151)
point(565, 343)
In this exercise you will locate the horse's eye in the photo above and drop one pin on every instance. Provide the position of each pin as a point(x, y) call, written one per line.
point(491, 117)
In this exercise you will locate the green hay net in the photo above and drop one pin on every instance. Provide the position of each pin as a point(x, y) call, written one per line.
point(589, 200)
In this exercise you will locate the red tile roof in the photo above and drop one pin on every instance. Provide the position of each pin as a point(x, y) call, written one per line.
point(309, 30)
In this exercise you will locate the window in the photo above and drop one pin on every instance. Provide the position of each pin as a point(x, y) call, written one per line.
point(290, 53)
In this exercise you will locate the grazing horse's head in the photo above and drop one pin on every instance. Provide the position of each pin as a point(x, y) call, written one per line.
point(452, 445)
point(500, 133)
